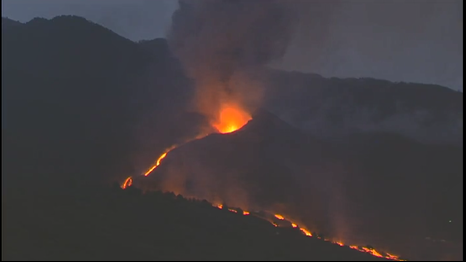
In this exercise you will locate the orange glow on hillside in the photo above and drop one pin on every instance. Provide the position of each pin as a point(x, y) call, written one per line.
point(231, 118)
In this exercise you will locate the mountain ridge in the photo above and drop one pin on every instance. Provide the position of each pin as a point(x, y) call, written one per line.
point(93, 114)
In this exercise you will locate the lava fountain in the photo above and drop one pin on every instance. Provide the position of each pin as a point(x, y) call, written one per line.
point(230, 118)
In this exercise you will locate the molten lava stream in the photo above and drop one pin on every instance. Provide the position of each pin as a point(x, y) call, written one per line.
point(156, 163)
point(128, 182)
point(161, 157)
point(231, 118)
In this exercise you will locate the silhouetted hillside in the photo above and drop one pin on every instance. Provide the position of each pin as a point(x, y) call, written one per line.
point(112, 224)
point(74, 86)
point(7, 23)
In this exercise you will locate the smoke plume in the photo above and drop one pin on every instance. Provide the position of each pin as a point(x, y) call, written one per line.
point(219, 42)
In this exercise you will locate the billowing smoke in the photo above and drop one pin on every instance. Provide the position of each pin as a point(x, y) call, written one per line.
point(219, 42)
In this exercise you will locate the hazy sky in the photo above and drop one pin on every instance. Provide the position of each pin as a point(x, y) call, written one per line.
point(133, 19)
point(398, 40)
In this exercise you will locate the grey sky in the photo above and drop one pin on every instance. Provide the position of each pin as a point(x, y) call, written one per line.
point(133, 19)
point(398, 40)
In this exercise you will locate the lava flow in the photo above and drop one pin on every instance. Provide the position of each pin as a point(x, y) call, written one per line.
point(157, 163)
point(231, 118)
point(128, 182)
point(371, 251)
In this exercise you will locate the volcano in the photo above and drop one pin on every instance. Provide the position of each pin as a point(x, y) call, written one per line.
point(261, 155)
point(324, 185)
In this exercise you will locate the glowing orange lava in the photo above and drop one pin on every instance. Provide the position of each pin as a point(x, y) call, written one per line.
point(372, 252)
point(279, 217)
point(157, 163)
point(128, 182)
point(307, 233)
point(231, 118)
point(393, 257)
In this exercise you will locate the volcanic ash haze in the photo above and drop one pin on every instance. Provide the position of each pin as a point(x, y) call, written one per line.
point(219, 43)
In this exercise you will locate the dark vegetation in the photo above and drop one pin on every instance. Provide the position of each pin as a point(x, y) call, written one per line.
point(112, 224)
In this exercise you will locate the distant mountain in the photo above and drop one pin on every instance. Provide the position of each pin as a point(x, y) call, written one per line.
point(347, 189)
point(78, 87)
point(50, 45)
point(333, 107)
point(7, 23)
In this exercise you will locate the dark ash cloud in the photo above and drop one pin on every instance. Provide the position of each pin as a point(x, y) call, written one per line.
point(219, 41)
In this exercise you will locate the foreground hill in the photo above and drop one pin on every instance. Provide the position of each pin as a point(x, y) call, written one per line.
point(111, 224)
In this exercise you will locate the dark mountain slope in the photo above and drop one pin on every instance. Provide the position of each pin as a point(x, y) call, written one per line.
point(356, 190)
point(43, 46)
point(74, 86)
point(334, 107)
point(111, 224)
